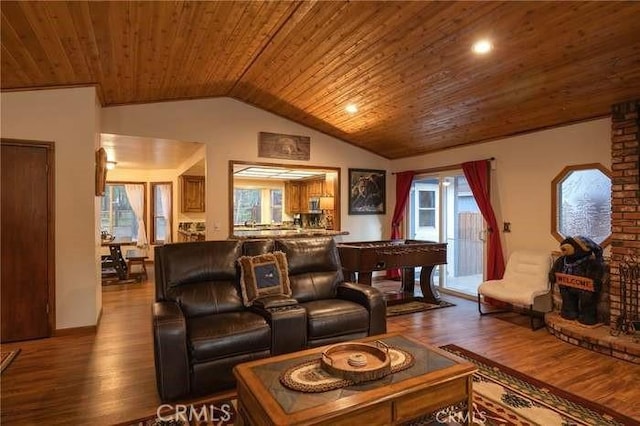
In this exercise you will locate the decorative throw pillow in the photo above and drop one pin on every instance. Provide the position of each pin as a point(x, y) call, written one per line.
point(263, 275)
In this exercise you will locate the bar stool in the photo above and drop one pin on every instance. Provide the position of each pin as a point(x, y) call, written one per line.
point(137, 257)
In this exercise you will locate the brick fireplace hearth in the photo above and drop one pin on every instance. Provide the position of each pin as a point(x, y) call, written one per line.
point(625, 190)
point(616, 337)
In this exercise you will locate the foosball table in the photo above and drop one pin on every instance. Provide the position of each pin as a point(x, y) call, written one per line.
point(365, 257)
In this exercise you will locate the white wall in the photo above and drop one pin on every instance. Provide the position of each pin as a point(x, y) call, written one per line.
point(67, 117)
point(524, 168)
point(229, 129)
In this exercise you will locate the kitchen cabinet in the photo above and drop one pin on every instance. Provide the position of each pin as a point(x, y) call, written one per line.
point(304, 198)
point(315, 188)
point(330, 185)
point(192, 194)
point(297, 194)
point(292, 197)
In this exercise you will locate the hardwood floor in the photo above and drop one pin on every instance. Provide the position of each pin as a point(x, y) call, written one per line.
point(108, 377)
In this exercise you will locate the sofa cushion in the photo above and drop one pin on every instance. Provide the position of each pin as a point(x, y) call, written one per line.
point(263, 275)
point(182, 269)
point(228, 334)
point(207, 297)
point(256, 247)
point(198, 262)
point(335, 317)
point(314, 267)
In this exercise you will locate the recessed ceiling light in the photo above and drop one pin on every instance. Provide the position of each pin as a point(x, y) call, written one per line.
point(482, 47)
point(351, 108)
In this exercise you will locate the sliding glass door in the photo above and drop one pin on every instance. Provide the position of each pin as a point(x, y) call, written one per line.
point(441, 208)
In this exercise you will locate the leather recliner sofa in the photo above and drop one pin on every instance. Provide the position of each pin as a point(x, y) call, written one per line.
point(202, 329)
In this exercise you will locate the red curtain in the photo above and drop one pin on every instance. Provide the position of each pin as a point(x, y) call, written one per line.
point(403, 186)
point(477, 174)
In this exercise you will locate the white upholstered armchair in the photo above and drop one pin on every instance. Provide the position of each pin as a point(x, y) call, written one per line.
point(525, 284)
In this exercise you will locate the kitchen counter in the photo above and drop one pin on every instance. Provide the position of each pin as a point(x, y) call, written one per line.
point(264, 228)
point(191, 235)
point(288, 233)
point(191, 231)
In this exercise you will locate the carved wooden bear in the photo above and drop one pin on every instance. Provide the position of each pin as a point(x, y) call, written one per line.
point(581, 257)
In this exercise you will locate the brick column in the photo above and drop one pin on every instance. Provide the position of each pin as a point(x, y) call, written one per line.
point(625, 209)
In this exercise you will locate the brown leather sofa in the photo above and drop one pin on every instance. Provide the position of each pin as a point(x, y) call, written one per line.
point(201, 328)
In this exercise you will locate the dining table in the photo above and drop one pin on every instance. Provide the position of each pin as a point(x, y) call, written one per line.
point(115, 260)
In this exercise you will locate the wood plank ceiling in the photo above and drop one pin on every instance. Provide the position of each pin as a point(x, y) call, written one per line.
point(406, 65)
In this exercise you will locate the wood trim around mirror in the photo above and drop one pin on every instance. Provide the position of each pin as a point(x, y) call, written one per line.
point(336, 186)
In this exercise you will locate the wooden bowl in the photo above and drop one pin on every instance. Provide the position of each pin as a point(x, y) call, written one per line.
point(358, 362)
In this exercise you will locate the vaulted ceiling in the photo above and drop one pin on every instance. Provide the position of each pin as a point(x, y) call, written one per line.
point(408, 66)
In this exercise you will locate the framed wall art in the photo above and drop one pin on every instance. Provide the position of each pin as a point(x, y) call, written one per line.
point(367, 193)
point(289, 147)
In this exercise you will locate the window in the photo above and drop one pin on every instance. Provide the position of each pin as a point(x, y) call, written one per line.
point(581, 203)
point(257, 205)
point(276, 205)
point(246, 206)
point(427, 208)
point(162, 202)
point(117, 217)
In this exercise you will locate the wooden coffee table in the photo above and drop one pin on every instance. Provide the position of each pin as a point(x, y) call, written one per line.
point(438, 379)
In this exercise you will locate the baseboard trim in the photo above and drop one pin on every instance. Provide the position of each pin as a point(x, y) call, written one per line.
point(458, 294)
point(77, 331)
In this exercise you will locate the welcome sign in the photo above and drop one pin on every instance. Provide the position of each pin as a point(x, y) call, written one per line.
point(575, 281)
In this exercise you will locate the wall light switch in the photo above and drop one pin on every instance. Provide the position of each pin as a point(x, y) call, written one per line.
point(506, 227)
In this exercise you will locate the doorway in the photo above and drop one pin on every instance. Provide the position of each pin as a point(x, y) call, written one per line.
point(27, 241)
point(442, 208)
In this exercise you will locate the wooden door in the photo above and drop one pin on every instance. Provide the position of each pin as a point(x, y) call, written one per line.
point(26, 240)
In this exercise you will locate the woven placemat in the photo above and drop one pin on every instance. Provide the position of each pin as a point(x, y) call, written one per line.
point(310, 377)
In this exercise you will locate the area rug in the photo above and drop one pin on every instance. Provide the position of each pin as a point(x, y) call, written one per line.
point(415, 306)
point(501, 397)
point(7, 358)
